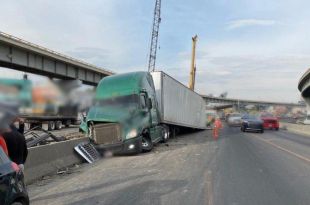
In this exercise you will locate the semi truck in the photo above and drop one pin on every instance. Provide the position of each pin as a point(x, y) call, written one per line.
point(133, 111)
point(40, 104)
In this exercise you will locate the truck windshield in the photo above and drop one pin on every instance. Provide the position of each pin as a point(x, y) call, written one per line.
point(119, 101)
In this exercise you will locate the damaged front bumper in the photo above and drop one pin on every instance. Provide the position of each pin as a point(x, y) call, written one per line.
point(130, 146)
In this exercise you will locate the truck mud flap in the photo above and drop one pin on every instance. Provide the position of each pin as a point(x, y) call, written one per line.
point(87, 151)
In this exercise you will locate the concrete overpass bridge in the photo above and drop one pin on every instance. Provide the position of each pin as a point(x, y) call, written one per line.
point(22, 55)
point(304, 88)
point(18, 54)
point(242, 102)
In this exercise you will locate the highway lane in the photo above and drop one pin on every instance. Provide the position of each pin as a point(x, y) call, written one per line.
point(250, 170)
point(239, 168)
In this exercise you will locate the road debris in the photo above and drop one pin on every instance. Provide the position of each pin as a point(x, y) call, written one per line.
point(87, 151)
point(40, 136)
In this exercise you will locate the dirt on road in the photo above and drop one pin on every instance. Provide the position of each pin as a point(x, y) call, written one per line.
point(172, 173)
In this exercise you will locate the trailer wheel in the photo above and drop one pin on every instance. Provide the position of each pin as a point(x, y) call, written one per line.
point(58, 125)
point(51, 125)
point(68, 123)
point(146, 144)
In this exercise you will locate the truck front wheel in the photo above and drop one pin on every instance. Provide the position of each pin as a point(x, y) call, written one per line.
point(166, 134)
point(146, 144)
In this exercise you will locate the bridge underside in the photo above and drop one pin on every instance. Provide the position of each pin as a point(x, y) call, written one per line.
point(24, 56)
point(306, 96)
point(304, 88)
point(22, 60)
point(306, 93)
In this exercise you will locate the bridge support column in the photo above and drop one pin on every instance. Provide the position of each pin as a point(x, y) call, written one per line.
point(308, 104)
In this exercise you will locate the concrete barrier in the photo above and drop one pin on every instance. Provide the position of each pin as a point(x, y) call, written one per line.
point(47, 159)
point(296, 128)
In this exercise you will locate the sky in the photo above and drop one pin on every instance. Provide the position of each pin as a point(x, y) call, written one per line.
point(251, 49)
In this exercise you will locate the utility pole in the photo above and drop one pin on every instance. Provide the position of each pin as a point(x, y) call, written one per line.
point(193, 64)
point(154, 38)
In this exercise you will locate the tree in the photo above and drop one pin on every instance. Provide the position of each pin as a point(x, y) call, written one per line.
point(223, 95)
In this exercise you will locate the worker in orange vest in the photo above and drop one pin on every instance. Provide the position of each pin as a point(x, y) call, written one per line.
point(3, 128)
point(3, 146)
point(217, 126)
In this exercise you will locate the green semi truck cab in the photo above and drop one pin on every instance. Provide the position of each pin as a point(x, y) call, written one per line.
point(125, 116)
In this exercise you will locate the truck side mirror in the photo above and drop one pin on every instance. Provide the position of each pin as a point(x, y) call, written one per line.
point(149, 103)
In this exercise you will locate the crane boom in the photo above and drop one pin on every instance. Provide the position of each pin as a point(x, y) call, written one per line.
point(154, 38)
point(193, 64)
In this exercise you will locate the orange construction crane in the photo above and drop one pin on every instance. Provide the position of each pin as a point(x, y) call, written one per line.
point(193, 64)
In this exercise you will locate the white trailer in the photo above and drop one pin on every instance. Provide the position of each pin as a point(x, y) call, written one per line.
point(178, 105)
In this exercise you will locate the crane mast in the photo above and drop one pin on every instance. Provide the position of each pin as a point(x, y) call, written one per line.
point(154, 38)
point(193, 64)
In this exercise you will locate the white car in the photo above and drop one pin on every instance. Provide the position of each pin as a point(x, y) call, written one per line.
point(307, 120)
point(234, 119)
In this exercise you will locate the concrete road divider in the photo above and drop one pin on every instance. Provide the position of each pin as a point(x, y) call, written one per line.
point(296, 128)
point(47, 159)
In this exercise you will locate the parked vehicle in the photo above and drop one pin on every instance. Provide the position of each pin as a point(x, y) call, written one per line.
point(12, 187)
point(41, 104)
point(307, 120)
point(234, 119)
point(132, 113)
point(252, 123)
point(270, 122)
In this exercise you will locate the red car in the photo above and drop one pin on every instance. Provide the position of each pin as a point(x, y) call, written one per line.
point(270, 122)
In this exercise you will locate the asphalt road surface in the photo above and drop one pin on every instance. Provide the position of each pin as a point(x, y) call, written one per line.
point(238, 169)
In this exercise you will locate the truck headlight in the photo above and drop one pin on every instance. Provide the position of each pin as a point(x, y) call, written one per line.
point(133, 133)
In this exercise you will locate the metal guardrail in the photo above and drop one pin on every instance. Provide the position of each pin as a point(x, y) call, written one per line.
point(50, 51)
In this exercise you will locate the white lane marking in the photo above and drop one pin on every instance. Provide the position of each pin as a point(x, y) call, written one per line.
point(284, 149)
point(209, 188)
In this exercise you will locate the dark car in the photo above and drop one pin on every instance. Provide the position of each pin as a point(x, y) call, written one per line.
point(252, 123)
point(12, 187)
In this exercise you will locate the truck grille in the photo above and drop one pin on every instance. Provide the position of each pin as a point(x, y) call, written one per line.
point(107, 133)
